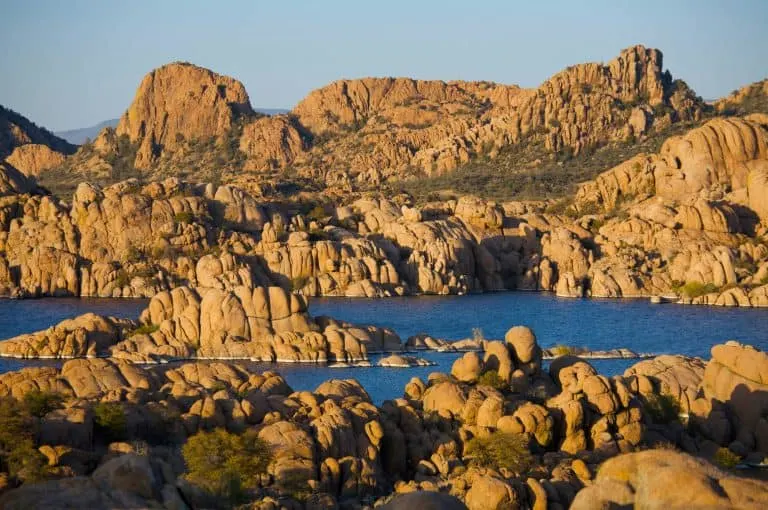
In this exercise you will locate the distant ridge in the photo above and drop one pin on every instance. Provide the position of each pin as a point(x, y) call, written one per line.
point(80, 135)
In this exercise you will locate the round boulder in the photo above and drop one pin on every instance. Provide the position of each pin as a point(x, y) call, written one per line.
point(467, 368)
point(526, 351)
point(424, 500)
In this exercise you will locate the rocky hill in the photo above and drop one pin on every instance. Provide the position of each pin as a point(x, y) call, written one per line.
point(351, 135)
point(28, 147)
point(688, 223)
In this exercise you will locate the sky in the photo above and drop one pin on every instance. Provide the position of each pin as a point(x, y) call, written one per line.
point(71, 64)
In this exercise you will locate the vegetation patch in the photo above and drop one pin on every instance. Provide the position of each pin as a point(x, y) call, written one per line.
point(39, 403)
point(18, 455)
point(726, 459)
point(500, 450)
point(564, 350)
point(226, 464)
point(493, 379)
point(110, 422)
point(144, 329)
point(183, 217)
point(697, 289)
point(662, 408)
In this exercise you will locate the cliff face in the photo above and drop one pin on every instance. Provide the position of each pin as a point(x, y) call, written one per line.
point(180, 102)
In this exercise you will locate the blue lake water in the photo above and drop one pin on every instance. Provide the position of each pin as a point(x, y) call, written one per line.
point(596, 324)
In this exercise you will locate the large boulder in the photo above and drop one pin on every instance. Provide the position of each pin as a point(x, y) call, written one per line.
point(445, 396)
point(668, 479)
point(424, 500)
point(491, 493)
point(467, 368)
point(525, 350)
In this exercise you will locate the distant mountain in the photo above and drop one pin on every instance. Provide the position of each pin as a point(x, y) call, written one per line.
point(79, 136)
point(272, 111)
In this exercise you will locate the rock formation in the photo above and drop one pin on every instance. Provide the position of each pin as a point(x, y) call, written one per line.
point(180, 102)
point(356, 134)
point(348, 451)
point(17, 131)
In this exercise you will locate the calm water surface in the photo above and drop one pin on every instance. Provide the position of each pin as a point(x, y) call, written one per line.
point(596, 324)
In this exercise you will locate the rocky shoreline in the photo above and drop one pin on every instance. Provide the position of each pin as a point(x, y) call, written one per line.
point(583, 431)
point(251, 324)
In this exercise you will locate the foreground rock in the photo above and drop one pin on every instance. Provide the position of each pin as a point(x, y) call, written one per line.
point(668, 479)
point(350, 453)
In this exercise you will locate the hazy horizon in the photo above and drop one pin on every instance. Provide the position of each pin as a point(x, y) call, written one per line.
point(78, 63)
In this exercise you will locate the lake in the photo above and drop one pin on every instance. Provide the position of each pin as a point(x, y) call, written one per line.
point(593, 323)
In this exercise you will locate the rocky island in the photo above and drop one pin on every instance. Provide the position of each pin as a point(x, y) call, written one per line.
point(608, 180)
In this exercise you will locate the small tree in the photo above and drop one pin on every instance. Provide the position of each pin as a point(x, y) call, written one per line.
point(662, 408)
point(493, 379)
point(726, 459)
point(39, 403)
point(500, 450)
point(18, 455)
point(109, 418)
point(225, 464)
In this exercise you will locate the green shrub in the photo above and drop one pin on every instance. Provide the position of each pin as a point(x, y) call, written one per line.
point(500, 450)
point(697, 289)
point(183, 217)
point(122, 279)
point(662, 408)
point(109, 420)
point(299, 282)
point(218, 386)
point(133, 254)
point(296, 485)
point(39, 403)
point(563, 350)
point(18, 455)
point(144, 329)
point(491, 378)
point(561, 207)
point(225, 464)
point(726, 459)
point(317, 213)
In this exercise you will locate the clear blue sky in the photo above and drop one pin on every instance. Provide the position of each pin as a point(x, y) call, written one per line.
point(70, 64)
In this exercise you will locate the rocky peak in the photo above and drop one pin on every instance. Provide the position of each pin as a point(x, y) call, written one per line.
point(181, 101)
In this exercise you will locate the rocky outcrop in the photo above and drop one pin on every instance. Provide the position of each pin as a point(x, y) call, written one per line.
point(407, 127)
point(34, 158)
point(180, 102)
point(580, 427)
point(17, 131)
point(436, 126)
point(238, 321)
point(87, 335)
point(735, 386)
point(271, 143)
point(125, 482)
point(12, 181)
point(668, 479)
